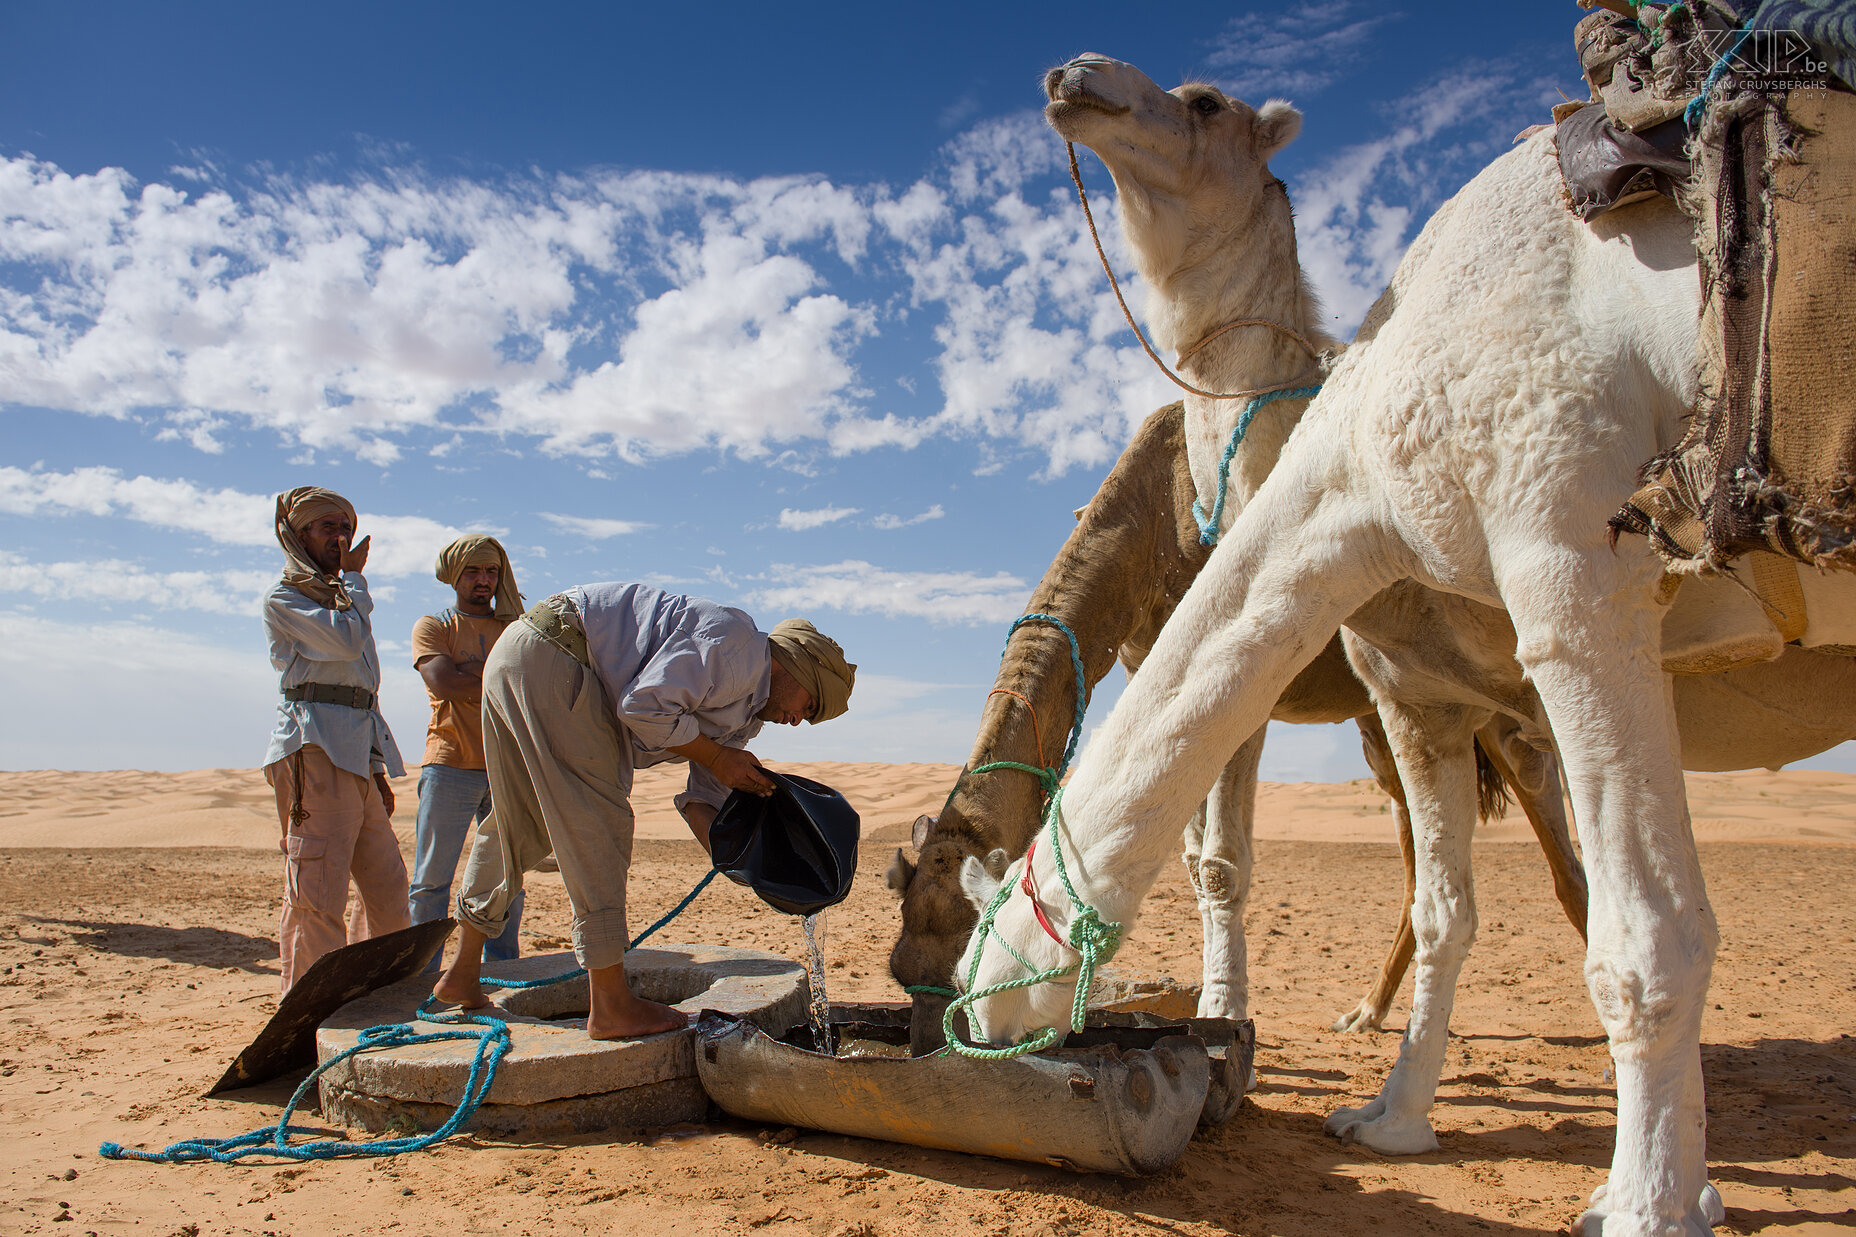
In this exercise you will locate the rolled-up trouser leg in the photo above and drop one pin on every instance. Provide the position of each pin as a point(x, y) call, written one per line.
point(560, 771)
point(319, 852)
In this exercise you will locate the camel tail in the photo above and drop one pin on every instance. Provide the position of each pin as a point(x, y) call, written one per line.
point(1492, 798)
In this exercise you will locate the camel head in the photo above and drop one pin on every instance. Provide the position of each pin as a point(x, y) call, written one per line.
point(1007, 1017)
point(1190, 164)
point(937, 915)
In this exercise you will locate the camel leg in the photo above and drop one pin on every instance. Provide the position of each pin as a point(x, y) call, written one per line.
point(1534, 777)
point(1218, 861)
point(1435, 749)
point(1308, 552)
point(1370, 1013)
point(1590, 643)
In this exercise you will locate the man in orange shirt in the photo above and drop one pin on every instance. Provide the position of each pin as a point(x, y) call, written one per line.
point(449, 649)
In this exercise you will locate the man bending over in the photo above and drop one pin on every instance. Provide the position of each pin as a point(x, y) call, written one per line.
point(592, 684)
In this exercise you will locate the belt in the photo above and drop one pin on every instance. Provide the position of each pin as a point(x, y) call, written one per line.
point(557, 622)
point(328, 693)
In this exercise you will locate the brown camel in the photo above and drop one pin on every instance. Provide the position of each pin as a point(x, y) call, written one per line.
point(1133, 554)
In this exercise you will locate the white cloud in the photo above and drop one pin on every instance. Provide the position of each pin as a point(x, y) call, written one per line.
point(644, 314)
point(594, 528)
point(114, 582)
point(400, 545)
point(1358, 210)
point(1298, 51)
point(799, 521)
point(857, 587)
point(226, 516)
point(887, 521)
point(639, 314)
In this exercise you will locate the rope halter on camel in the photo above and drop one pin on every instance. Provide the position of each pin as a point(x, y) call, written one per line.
point(1094, 940)
point(1299, 388)
point(1049, 776)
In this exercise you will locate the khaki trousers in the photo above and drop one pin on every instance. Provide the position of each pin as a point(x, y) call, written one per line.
point(560, 769)
point(344, 832)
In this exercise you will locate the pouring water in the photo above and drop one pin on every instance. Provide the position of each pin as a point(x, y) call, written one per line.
point(815, 975)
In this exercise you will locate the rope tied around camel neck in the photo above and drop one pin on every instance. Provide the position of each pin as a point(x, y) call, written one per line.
point(493, 1044)
point(1299, 388)
point(1208, 525)
point(1094, 939)
point(1049, 776)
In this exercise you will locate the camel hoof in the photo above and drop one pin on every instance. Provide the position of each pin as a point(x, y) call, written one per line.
point(1709, 1211)
point(1371, 1128)
point(1361, 1017)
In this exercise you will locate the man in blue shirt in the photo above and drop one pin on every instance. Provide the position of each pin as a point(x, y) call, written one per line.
point(590, 685)
point(331, 752)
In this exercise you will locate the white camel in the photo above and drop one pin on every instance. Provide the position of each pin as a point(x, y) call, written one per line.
point(1475, 440)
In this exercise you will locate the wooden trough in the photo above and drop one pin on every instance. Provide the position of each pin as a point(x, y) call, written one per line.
point(1122, 1096)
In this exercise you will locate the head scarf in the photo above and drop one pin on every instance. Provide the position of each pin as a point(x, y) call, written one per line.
point(478, 550)
point(815, 659)
point(296, 510)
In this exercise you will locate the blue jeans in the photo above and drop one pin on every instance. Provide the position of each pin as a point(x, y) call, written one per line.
point(450, 801)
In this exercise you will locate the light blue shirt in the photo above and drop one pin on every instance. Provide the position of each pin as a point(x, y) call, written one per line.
point(313, 644)
point(676, 667)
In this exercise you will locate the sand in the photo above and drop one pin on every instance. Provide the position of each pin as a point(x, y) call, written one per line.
point(138, 954)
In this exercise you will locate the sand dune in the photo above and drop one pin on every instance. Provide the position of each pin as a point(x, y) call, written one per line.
point(233, 807)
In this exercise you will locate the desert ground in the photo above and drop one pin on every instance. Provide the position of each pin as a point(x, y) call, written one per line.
point(138, 954)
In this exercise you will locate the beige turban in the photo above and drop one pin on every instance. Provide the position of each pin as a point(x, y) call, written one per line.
point(478, 550)
point(296, 510)
point(817, 662)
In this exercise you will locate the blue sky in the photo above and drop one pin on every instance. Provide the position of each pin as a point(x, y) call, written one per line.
point(787, 307)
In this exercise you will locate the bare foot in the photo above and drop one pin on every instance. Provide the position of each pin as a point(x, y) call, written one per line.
point(459, 990)
point(637, 1017)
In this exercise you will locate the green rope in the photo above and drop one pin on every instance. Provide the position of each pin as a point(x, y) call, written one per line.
point(1208, 526)
point(493, 1044)
point(1094, 940)
point(1047, 778)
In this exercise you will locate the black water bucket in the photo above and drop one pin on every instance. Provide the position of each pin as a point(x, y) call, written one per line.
point(796, 848)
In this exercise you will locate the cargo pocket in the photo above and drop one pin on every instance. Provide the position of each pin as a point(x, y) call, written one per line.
point(305, 870)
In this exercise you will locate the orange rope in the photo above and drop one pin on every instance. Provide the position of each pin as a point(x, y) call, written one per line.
point(1035, 732)
point(1076, 175)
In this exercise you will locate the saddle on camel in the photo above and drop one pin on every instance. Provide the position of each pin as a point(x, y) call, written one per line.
point(1748, 119)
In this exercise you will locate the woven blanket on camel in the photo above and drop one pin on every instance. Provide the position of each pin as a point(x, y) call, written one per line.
point(1769, 460)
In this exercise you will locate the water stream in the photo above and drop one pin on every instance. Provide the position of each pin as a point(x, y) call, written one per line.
point(815, 976)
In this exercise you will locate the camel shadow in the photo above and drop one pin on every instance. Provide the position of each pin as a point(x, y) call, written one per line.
point(196, 946)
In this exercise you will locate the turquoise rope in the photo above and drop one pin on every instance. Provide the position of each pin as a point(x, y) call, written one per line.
point(1051, 777)
point(1691, 115)
point(1094, 940)
point(1208, 528)
point(493, 1045)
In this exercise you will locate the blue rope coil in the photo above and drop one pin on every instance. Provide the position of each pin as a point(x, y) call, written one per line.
point(1208, 526)
point(493, 1044)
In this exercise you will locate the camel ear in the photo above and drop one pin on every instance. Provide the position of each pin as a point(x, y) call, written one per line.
point(918, 836)
point(997, 863)
point(900, 873)
point(1277, 125)
point(977, 883)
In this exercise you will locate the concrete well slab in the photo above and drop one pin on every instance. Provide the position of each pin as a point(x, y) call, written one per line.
point(555, 1078)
